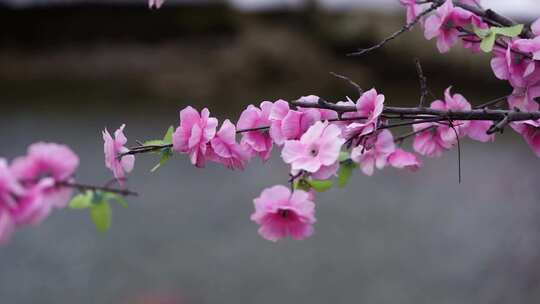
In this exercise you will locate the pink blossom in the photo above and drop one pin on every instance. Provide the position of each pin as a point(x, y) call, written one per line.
point(370, 105)
point(52, 161)
point(478, 130)
point(283, 214)
point(224, 148)
point(443, 25)
point(287, 124)
point(403, 159)
point(194, 134)
point(530, 46)
point(23, 205)
point(530, 130)
point(413, 9)
point(33, 206)
point(523, 98)
point(256, 142)
point(325, 114)
point(535, 27)
point(438, 137)
point(113, 147)
point(430, 141)
point(10, 189)
point(318, 147)
point(375, 152)
point(155, 3)
point(512, 66)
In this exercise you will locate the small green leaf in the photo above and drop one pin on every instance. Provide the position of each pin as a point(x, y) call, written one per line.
point(154, 142)
point(480, 32)
point(117, 198)
point(321, 185)
point(165, 155)
point(167, 139)
point(511, 31)
point(488, 42)
point(101, 216)
point(81, 201)
point(302, 184)
point(345, 171)
point(343, 155)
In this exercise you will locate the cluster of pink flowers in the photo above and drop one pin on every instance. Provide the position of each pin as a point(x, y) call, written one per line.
point(34, 184)
point(311, 141)
point(515, 59)
point(316, 141)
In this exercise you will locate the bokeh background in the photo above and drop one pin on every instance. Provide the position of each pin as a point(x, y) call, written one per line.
point(70, 68)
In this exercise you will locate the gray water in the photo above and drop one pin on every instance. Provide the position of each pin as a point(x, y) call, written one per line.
point(397, 237)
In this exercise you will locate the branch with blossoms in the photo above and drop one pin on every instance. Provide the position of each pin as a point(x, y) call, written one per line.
point(323, 142)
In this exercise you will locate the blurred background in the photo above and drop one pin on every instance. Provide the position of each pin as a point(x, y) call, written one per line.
point(70, 68)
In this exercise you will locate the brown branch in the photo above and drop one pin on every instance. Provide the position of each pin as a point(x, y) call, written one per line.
point(476, 114)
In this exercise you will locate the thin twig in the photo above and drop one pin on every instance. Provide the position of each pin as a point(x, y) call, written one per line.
point(352, 83)
point(491, 102)
point(423, 83)
point(405, 28)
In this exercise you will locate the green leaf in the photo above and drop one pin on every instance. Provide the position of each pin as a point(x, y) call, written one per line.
point(154, 142)
point(116, 198)
point(480, 32)
point(302, 184)
point(321, 185)
point(165, 155)
point(167, 139)
point(81, 201)
point(511, 31)
point(343, 156)
point(488, 42)
point(345, 171)
point(101, 216)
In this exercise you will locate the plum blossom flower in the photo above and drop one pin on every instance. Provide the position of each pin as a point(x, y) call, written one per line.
point(325, 114)
point(535, 27)
point(402, 159)
point(370, 105)
point(290, 124)
point(413, 9)
point(478, 130)
point(374, 152)
point(224, 148)
point(155, 3)
point(283, 214)
point(9, 190)
point(442, 25)
point(512, 66)
point(48, 161)
point(318, 147)
point(530, 46)
point(113, 148)
point(257, 142)
point(21, 205)
point(530, 130)
point(194, 134)
point(523, 98)
point(433, 138)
